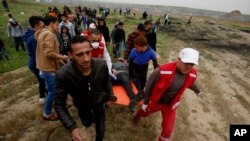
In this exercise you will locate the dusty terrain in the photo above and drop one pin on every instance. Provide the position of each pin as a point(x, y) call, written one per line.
point(224, 79)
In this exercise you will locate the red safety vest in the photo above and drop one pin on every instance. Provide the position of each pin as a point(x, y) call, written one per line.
point(85, 33)
point(98, 52)
point(167, 72)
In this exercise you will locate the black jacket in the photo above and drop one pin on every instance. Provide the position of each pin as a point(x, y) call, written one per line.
point(119, 35)
point(151, 39)
point(69, 80)
point(105, 31)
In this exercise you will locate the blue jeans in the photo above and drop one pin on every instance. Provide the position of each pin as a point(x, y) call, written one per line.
point(49, 79)
point(41, 83)
point(119, 48)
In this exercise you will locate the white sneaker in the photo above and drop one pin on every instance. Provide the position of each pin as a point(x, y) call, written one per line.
point(41, 101)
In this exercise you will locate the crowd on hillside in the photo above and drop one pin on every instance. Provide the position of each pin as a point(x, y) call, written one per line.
point(68, 54)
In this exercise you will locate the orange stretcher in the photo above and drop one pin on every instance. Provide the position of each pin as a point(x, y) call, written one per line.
point(120, 93)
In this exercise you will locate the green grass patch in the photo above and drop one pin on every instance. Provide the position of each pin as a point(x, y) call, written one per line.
point(18, 59)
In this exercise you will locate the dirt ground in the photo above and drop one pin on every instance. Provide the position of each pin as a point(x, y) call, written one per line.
point(223, 76)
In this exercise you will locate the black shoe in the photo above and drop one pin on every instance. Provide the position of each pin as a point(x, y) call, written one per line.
point(133, 106)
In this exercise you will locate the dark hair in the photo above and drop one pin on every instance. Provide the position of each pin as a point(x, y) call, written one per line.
point(48, 20)
point(141, 27)
point(95, 32)
point(147, 22)
point(33, 20)
point(120, 23)
point(64, 15)
point(67, 32)
point(76, 39)
point(101, 19)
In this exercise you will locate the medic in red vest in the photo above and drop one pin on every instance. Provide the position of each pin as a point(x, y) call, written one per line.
point(98, 46)
point(165, 87)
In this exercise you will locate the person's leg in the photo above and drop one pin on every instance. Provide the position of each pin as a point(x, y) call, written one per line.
point(1, 54)
point(119, 49)
point(143, 79)
point(99, 114)
point(153, 108)
point(137, 82)
point(124, 79)
point(85, 115)
point(41, 83)
point(6, 54)
point(143, 76)
point(21, 43)
point(168, 121)
point(49, 79)
point(115, 50)
point(16, 43)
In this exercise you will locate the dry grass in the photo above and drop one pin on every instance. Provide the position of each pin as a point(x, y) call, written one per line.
point(19, 88)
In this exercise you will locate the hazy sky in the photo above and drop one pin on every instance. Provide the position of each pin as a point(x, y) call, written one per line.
point(218, 5)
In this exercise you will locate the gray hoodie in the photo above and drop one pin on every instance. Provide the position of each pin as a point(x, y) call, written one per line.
point(14, 29)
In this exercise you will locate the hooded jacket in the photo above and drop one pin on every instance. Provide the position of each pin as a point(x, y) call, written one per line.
point(47, 50)
point(30, 41)
point(14, 30)
point(104, 30)
point(151, 38)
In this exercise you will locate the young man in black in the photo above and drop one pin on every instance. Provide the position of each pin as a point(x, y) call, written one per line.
point(150, 34)
point(87, 81)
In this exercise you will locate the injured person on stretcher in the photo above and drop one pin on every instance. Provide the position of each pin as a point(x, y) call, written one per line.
point(122, 81)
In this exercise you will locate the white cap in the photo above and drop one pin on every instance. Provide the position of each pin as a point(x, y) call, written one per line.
point(12, 21)
point(92, 26)
point(189, 55)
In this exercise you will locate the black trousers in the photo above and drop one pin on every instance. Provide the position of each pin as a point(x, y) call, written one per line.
point(94, 113)
point(19, 41)
point(140, 76)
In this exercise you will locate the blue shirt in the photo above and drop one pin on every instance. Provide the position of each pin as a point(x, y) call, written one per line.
point(142, 58)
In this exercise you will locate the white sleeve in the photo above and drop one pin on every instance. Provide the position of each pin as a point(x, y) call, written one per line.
point(73, 30)
point(8, 30)
point(103, 40)
point(59, 27)
point(107, 58)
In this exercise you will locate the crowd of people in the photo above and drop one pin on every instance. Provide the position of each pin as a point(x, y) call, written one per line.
point(68, 55)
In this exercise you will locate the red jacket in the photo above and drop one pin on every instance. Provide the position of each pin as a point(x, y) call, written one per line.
point(167, 72)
